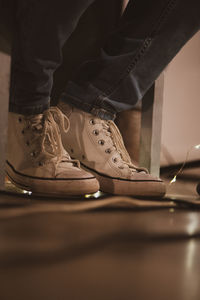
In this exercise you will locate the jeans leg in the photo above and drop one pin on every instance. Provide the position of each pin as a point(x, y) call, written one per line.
point(149, 35)
point(41, 29)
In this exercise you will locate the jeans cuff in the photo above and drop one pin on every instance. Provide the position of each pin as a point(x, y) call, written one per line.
point(90, 101)
point(100, 112)
point(29, 109)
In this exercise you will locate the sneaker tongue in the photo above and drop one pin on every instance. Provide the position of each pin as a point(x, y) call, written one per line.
point(37, 118)
point(37, 121)
point(45, 130)
point(52, 139)
point(65, 108)
point(46, 139)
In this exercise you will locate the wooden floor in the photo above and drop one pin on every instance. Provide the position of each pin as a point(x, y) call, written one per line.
point(120, 249)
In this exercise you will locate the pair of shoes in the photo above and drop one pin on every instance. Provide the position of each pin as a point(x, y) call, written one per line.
point(37, 160)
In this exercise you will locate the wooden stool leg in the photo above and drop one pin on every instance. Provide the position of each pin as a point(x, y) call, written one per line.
point(151, 123)
point(4, 99)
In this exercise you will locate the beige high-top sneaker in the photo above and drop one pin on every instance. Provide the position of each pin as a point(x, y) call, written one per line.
point(37, 161)
point(99, 146)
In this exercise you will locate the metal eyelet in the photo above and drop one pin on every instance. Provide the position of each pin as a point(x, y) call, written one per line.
point(101, 142)
point(40, 164)
point(108, 151)
point(33, 154)
point(96, 132)
point(92, 122)
point(114, 160)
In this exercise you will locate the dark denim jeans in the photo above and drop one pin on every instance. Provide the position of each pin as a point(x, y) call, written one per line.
point(149, 35)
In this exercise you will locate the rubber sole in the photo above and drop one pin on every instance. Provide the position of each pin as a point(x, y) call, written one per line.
point(117, 186)
point(53, 187)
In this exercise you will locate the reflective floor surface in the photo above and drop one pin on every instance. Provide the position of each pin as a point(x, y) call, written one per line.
point(116, 252)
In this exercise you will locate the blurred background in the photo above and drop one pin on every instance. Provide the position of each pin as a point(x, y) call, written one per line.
point(181, 121)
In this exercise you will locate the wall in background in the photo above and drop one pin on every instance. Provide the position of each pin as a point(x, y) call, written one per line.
point(181, 111)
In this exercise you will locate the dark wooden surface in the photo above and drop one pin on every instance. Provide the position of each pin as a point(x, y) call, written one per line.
point(114, 253)
point(104, 255)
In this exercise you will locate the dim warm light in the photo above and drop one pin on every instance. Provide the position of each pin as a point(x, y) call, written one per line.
point(196, 147)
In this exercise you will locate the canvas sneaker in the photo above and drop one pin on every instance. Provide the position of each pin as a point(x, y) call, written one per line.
point(37, 161)
point(99, 146)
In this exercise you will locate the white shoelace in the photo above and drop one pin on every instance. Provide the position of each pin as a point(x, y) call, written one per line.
point(116, 140)
point(45, 134)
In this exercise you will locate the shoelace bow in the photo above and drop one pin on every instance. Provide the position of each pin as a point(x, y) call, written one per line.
point(113, 132)
point(48, 135)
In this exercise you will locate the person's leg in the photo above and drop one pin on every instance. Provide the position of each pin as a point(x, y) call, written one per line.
point(149, 36)
point(36, 159)
point(41, 29)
